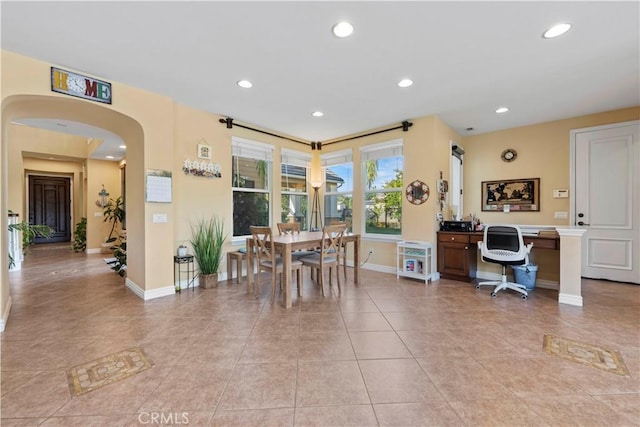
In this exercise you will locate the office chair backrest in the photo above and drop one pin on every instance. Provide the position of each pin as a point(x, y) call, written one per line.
point(504, 243)
point(502, 237)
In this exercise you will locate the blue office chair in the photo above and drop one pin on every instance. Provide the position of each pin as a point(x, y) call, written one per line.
point(504, 245)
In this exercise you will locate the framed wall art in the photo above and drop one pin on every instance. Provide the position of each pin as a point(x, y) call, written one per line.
point(511, 195)
point(204, 151)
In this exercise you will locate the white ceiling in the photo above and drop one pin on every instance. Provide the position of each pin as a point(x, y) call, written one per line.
point(466, 58)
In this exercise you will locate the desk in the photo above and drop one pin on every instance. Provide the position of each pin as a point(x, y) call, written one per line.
point(457, 252)
point(288, 243)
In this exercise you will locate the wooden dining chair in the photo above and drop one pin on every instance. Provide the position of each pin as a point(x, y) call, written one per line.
point(343, 249)
point(329, 255)
point(290, 228)
point(269, 262)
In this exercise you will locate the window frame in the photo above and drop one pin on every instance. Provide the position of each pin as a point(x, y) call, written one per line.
point(300, 159)
point(383, 150)
point(341, 157)
point(249, 149)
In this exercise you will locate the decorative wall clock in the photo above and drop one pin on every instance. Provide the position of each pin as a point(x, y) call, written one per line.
point(417, 192)
point(509, 155)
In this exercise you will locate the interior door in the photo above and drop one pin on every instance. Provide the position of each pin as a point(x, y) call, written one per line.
point(49, 204)
point(607, 189)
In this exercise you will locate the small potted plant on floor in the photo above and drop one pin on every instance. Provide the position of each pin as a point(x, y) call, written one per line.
point(113, 212)
point(207, 241)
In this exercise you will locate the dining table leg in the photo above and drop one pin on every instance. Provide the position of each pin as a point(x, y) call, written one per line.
point(356, 259)
point(249, 265)
point(286, 275)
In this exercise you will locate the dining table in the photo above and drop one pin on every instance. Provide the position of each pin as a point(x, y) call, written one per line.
point(287, 243)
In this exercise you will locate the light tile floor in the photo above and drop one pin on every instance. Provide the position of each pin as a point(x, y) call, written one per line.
point(385, 352)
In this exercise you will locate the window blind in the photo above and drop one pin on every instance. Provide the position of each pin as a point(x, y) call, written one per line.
point(382, 150)
point(252, 149)
point(336, 158)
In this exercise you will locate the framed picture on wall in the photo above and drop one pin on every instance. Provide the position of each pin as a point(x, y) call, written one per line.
point(514, 195)
point(204, 151)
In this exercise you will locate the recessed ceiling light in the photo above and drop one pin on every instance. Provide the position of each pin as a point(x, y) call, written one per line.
point(245, 84)
point(405, 82)
point(109, 157)
point(469, 129)
point(123, 146)
point(342, 29)
point(556, 30)
point(317, 114)
point(501, 110)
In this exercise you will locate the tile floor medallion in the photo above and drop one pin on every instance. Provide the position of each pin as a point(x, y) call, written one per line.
point(592, 355)
point(106, 370)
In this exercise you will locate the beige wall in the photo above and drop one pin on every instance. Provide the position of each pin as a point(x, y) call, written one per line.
point(426, 153)
point(161, 134)
point(99, 173)
point(27, 155)
point(543, 152)
point(143, 120)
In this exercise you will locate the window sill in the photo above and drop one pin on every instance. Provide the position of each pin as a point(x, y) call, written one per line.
point(379, 238)
point(239, 240)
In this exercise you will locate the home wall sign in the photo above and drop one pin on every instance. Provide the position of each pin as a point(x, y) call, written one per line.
point(80, 86)
point(201, 168)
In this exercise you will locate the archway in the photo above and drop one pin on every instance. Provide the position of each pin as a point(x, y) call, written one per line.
point(130, 130)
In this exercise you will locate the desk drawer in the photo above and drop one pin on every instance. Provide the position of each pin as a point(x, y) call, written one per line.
point(453, 237)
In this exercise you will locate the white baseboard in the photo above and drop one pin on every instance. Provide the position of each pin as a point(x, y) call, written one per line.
point(152, 294)
point(570, 299)
point(5, 316)
point(378, 267)
point(93, 250)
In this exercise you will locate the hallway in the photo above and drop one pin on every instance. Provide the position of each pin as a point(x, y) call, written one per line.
point(385, 352)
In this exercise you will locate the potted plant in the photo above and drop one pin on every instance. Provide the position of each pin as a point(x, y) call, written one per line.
point(207, 240)
point(80, 236)
point(113, 212)
point(29, 232)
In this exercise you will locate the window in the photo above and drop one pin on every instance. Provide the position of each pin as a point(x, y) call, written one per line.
point(294, 198)
point(382, 168)
point(251, 171)
point(456, 181)
point(338, 190)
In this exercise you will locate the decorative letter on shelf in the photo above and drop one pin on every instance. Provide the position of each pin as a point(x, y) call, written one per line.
point(205, 169)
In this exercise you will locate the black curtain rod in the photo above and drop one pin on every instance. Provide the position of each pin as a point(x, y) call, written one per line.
point(230, 124)
point(404, 126)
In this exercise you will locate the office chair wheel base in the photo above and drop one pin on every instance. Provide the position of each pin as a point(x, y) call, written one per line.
point(494, 295)
point(523, 296)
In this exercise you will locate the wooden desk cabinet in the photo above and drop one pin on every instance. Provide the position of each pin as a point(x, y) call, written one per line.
point(457, 252)
point(457, 258)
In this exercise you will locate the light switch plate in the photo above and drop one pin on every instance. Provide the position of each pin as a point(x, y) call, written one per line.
point(561, 215)
point(160, 218)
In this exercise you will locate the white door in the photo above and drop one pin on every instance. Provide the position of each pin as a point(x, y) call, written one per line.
point(607, 193)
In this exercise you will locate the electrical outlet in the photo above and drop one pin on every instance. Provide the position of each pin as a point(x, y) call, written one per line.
point(370, 251)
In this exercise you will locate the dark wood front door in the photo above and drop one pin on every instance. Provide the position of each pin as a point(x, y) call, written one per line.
point(49, 204)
